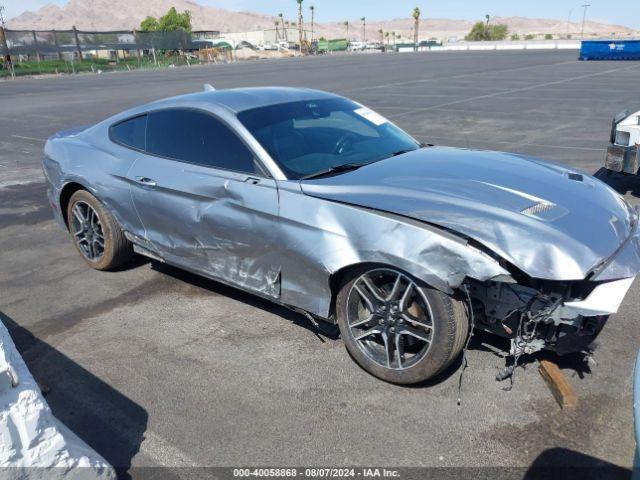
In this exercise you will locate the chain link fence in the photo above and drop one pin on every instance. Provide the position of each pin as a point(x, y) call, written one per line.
point(55, 42)
point(26, 52)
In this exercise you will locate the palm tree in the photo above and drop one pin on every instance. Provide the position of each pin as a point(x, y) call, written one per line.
point(488, 17)
point(381, 32)
point(313, 11)
point(277, 24)
point(386, 35)
point(393, 35)
point(364, 29)
point(346, 24)
point(416, 27)
point(284, 30)
point(300, 28)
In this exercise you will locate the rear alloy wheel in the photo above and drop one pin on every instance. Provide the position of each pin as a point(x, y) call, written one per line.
point(95, 233)
point(397, 329)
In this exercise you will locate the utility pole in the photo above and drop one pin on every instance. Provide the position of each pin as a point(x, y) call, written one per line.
point(584, 17)
point(364, 30)
point(3, 43)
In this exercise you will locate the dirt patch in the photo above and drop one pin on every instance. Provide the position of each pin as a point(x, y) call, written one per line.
point(572, 438)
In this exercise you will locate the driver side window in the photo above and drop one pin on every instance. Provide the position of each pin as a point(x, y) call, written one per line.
point(196, 137)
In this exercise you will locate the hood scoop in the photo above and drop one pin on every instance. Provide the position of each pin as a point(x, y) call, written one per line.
point(540, 209)
point(544, 210)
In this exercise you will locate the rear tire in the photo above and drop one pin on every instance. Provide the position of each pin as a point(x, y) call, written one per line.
point(397, 328)
point(95, 233)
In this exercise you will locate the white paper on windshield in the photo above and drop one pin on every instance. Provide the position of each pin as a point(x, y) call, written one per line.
point(372, 116)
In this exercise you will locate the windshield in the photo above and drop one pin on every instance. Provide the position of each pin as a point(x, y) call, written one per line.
point(306, 138)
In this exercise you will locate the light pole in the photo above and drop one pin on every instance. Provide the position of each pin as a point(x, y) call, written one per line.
point(569, 23)
point(584, 17)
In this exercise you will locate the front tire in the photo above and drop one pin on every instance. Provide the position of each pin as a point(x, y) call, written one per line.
point(397, 328)
point(95, 233)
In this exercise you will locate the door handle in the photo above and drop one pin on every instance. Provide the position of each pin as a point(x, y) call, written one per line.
point(146, 181)
point(252, 180)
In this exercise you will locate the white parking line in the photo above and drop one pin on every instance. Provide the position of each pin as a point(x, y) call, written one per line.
point(515, 90)
point(462, 75)
point(22, 137)
point(164, 453)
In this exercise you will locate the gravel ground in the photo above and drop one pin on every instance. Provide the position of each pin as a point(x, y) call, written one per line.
point(156, 367)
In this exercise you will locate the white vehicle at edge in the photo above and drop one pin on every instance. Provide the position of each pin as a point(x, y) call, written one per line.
point(623, 153)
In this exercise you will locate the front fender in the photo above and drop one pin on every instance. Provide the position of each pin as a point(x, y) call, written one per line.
point(322, 237)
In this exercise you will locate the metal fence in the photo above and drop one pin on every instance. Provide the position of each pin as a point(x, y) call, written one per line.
point(40, 43)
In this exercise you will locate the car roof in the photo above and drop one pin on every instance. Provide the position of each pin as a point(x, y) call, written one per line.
point(241, 99)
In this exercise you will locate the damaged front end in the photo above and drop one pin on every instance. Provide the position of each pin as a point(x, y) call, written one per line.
point(564, 317)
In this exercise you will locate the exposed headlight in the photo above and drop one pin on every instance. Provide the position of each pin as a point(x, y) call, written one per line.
point(622, 138)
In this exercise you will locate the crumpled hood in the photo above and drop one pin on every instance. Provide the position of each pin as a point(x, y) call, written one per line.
point(550, 222)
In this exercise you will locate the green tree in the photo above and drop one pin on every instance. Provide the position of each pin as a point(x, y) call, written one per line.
point(478, 32)
point(498, 32)
point(313, 12)
point(173, 20)
point(149, 24)
point(548, 36)
point(529, 36)
point(300, 26)
point(482, 31)
point(515, 36)
point(169, 22)
point(416, 27)
point(284, 28)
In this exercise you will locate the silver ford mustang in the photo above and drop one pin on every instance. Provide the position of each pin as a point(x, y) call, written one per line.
point(320, 204)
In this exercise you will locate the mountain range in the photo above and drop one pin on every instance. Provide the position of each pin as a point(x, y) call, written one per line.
point(127, 15)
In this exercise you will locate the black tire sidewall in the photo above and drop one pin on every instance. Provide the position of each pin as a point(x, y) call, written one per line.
point(437, 358)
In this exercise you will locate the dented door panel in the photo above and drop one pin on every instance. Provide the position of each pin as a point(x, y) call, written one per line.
point(217, 222)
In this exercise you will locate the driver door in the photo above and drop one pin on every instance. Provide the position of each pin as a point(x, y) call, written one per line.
point(204, 203)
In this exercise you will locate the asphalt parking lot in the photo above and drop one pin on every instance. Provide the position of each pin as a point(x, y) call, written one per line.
point(156, 367)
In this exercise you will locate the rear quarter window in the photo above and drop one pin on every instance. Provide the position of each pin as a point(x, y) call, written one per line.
point(130, 133)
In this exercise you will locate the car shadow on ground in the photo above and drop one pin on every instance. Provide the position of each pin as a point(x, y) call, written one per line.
point(565, 464)
point(481, 341)
point(109, 422)
point(324, 330)
point(620, 182)
point(576, 363)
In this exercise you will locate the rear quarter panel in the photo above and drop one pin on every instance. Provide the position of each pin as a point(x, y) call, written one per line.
point(90, 159)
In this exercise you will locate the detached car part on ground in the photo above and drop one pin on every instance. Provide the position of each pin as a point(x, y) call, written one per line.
point(623, 153)
point(320, 204)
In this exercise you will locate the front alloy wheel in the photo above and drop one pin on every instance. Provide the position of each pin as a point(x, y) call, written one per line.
point(398, 329)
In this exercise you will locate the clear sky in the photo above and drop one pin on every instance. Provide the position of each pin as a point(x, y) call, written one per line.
point(623, 12)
